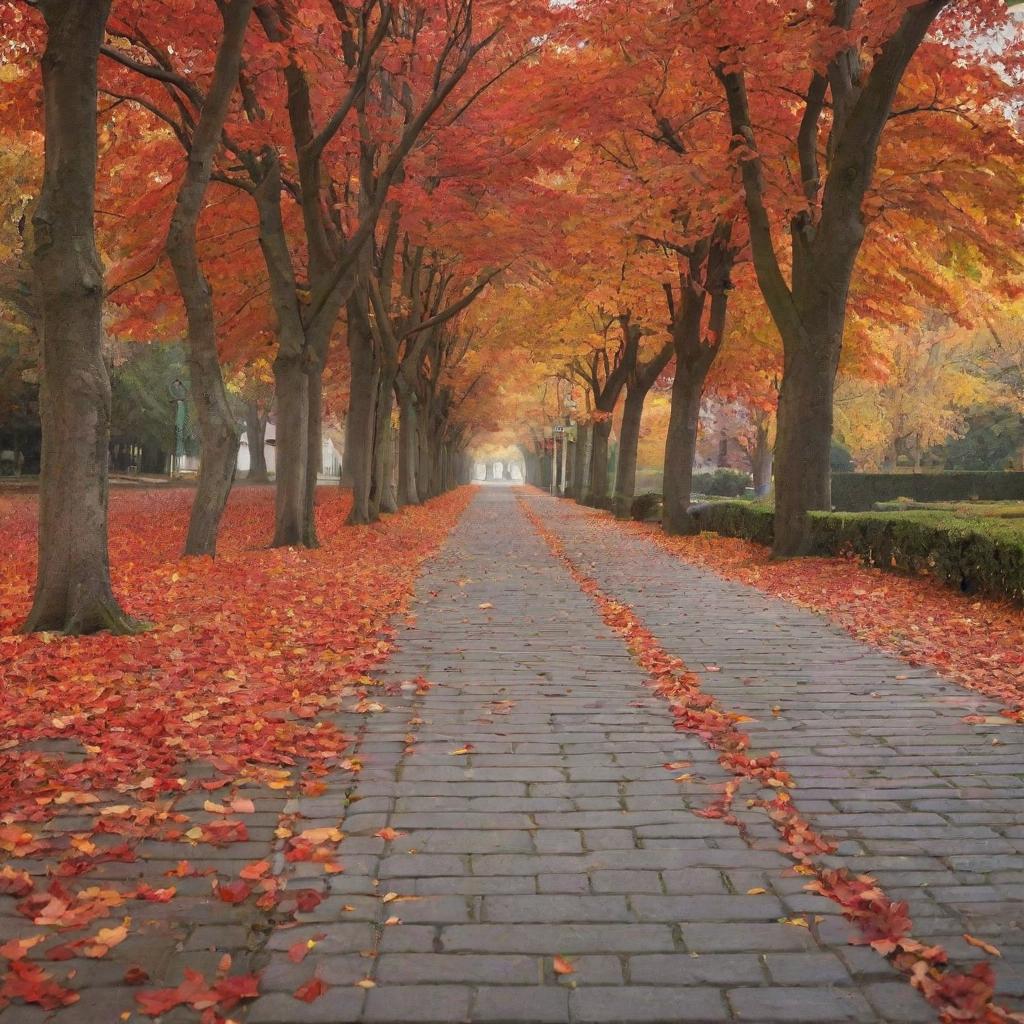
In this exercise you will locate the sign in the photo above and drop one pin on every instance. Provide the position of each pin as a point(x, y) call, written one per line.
point(568, 432)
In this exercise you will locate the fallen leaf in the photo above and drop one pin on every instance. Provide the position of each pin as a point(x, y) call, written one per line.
point(311, 990)
point(982, 944)
point(562, 966)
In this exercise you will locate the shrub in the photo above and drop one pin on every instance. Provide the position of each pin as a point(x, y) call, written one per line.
point(859, 492)
point(735, 519)
point(982, 556)
point(646, 508)
point(724, 483)
point(975, 556)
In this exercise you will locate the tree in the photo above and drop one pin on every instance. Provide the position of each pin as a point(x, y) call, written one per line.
point(705, 274)
point(73, 588)
point(919, 402)
point(855, 58)
point(605, 370)
point(643, 376)
point(218, 428)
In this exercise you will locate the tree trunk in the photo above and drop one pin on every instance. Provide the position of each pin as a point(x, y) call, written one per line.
point(489, 470)
point(761, 467)
point(345, 478)
point(629, 441)
point(290, 452)
point(219, 435)
point(255, 432)
point(73, 590)
point(219, 432)
point(314, 451)
point(680, 448)
point(580, 463)
point(362, 395)
point(597, 493)
point(803, 452)
point(408, 492)
point(385, 498)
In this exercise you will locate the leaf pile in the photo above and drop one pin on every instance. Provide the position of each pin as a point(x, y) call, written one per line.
point(109, 741)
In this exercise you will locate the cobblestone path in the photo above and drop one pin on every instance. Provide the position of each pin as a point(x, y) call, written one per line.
point(536, 818)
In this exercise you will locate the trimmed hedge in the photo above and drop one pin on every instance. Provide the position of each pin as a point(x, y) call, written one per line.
point(646, 508)
point(859, 492)
point(735, 519)
point(724, 483)
point(985, 556)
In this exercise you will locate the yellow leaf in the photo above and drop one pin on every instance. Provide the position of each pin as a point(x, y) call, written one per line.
point(321, 835)
point(756, 891)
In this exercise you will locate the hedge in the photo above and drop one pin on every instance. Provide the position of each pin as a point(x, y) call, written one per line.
point(985, 556)
point(646, 508)
point(859, 492)
point(726, 483)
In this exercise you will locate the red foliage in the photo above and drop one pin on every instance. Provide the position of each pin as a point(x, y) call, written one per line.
point(232, 687)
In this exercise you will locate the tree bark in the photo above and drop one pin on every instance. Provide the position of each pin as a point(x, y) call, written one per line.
point(218, 430)
point(291, 384)
point(680, 449)
point(362, 395)
point(803, 473)
point(408, 491)
point(345, 478)
point(73, 589)
point(629, 441)
point(638, 386)
point(581, 462)
point(709, 273)
point(597, 491)
point(761, 457)
point(256, 432)
point(606, 396)
point(384, 493)
point(314, 451)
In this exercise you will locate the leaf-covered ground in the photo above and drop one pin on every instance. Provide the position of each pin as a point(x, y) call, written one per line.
point(978, 643)
point(175, 735)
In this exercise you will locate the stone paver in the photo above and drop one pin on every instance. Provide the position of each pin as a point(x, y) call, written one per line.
point(536, 818)
point(928, 804)
point(531, 816)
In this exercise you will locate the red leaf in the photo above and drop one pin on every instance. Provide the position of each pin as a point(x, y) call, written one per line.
point(311, 990)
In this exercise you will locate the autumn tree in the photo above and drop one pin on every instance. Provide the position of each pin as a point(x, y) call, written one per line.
point(854, 57)
point(73, 589)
